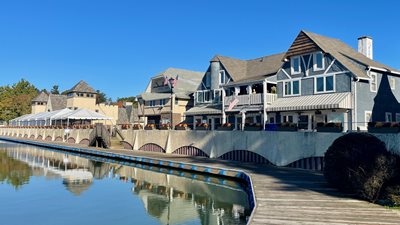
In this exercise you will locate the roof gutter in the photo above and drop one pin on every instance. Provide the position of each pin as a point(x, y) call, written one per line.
point(382, 70)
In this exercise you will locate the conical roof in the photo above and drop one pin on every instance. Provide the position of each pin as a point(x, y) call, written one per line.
point(82, 86)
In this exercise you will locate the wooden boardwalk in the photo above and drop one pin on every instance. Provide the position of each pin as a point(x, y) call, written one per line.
point(290, 196)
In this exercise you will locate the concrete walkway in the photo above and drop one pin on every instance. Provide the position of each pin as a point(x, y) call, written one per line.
point(289, 196)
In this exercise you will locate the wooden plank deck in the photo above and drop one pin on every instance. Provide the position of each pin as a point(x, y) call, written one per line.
point(289, 196)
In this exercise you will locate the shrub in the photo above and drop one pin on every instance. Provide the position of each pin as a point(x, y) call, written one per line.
point(359, 163)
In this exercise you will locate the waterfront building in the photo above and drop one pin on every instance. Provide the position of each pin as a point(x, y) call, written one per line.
point(235, 91)
point(324, 80)
point(162, 101)
point(80, 96)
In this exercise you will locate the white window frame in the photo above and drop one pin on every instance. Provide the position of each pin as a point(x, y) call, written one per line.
point(291, 65)
point(397, 117)
point(365, 117)
point(388, 115)
point(315, 61)
point(163, 102)
point(291, 87)
point(152, 103)
point(374, 79)
point(324, 82)
point(222, 74)
point(392, 83)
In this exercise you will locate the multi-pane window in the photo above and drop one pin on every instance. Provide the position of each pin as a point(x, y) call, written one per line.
point(397, 117)
point(295, 65)
point(373, 82)
point(287, 119)
point(152, 103)
point(162, 102)
point(325, 84)
point(318, 61)
point(291, 87)
point(208, 96)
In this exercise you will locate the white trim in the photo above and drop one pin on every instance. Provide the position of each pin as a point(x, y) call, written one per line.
point(291, 65)
point(365, 117)
point(375, 80)
point(392, 83)
point(308, 64)
point(330, 65)
point(284, 71)
point(291, 87)
point(324, 83)
point(219, 77)
point(397, 116)
point(390, 116)
point(327, 74)
point(315, 63)
point(304, 64)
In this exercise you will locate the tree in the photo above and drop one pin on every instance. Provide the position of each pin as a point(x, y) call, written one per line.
point(127, 99)
point(55, 90)
point(16, 100)
point(101, 97)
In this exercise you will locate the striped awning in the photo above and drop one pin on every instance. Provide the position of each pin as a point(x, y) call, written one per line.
point(204, 110)
point(312, 102)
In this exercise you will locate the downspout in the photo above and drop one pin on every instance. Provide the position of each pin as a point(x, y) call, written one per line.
point(223, 106)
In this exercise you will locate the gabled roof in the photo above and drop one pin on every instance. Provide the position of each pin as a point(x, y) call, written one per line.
point(188, 82)
point(82, 86)
point(307, 42)
point(57, 101)
point(241, 70)
point(42, 97)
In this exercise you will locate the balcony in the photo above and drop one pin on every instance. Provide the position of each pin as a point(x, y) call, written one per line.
point(252, 99)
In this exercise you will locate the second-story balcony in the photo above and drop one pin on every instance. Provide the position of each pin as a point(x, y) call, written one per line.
point(251, 99)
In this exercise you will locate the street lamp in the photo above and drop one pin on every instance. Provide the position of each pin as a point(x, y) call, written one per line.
point(172, 83)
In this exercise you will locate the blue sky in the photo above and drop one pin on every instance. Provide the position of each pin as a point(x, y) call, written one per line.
point(116, 46)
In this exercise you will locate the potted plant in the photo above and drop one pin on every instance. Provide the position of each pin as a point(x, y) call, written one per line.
point(182, 126)
point(383, 127)
point(329, 127)
point(165, 126)
point(226, 126)
point(150, 126)
point(202, 126)
point(137, 126)
point(252, 127)
point(287, 126)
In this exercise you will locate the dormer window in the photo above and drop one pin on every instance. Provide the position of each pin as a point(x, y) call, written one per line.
point(319, 63)
point(295, 65)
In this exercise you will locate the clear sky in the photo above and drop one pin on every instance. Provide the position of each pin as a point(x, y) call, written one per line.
point(116, 46)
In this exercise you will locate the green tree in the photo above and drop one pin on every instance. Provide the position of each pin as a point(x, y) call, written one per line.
point(16, 100)
point(55, 90)
point(101, 97)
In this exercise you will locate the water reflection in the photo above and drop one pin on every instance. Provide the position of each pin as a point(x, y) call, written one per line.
point(172, 197)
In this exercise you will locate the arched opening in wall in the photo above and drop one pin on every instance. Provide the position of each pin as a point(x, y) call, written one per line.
point(15, 135)
point(191, 151)
point(60, 139)
point(71, 140)
point(245, 156)
point(40, 137)
point(32, 136)
point(126, 145)
point(48, 138)
point(311, 163)
point(85, 142)
point(20, 135)
point(151, 147)
point(26, 136)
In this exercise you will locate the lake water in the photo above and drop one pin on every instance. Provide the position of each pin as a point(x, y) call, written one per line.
point(48, 187)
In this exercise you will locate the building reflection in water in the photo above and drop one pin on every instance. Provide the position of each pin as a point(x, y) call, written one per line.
point(170, 196)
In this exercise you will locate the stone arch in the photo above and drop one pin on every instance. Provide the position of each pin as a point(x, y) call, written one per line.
point(26, 136)
point(191, 151)
point(48, 138)
point(71, 140)
point(39, 137)
point(32, 136)
point(310, 163)
point(126, 145)
point(245, 156)
point(151, 147)
point(85, 141)
point(59, 138)
point(15, 135)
